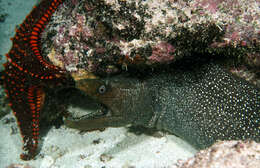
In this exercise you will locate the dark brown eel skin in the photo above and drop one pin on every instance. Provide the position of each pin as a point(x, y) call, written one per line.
point(201, 105)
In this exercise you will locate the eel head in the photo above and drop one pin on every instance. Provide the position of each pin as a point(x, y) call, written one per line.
point(123, 98)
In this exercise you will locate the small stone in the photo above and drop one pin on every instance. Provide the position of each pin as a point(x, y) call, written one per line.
point(87, 166)
point(96, 141)
point(105, 158)
point(128, 166)
point(3, 17)
point(14, 130)
point(19, 166)
point(47, 161)
point(8, 120)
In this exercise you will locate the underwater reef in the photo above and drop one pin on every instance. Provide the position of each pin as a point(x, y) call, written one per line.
point(62, 43)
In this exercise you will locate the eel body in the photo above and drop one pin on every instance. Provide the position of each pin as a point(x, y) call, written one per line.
point(200, 105)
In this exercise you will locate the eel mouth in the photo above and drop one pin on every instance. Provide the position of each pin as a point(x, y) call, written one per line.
point(81, 108)
point(87, 109)
point(96, 117)
point(92, 115)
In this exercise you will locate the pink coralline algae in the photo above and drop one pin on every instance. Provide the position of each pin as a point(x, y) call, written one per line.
point(238, 19)
point(162, 53)
point(211, 5)
point(250, 72)
point(96, 37)
point(226, 154)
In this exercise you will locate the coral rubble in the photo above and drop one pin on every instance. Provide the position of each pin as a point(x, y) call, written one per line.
point(226, 154)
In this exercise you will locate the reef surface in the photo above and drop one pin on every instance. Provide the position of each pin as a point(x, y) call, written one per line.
point(107, 37)
point(225, 154)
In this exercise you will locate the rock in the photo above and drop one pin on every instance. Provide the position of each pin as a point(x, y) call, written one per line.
point(106, 37)
point(226, 154)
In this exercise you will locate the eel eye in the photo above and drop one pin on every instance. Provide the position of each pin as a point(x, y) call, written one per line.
point(102, 89)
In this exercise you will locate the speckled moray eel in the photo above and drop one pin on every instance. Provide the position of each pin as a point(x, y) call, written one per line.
point(200, 105)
